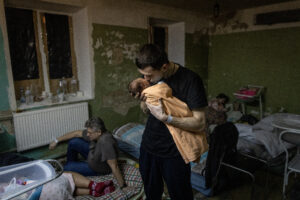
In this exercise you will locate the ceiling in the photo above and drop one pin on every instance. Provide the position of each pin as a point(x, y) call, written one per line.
point(206, 6)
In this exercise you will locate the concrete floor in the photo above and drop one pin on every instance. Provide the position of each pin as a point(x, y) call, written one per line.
point(263, 190)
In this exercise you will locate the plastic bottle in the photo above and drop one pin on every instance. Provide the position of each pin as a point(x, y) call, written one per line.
point(64, 85)
point(60, 91)
point(73, 86)
point(28, 98)
point(22, 98)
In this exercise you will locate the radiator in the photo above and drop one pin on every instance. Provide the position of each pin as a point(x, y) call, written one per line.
point(39, 127)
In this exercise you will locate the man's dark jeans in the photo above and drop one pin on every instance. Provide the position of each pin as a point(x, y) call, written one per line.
point(78, 146)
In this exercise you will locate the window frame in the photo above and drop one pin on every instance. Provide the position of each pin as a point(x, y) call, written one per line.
point(53, 83)
point(82, 50)
point(18, 84)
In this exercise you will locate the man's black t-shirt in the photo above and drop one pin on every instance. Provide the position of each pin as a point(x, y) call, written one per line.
point(188, 87)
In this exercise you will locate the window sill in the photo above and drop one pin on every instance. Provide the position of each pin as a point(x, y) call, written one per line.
point(49, 102)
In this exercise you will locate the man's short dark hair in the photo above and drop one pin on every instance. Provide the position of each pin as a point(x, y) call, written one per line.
point(96, 124)
point(151, 55)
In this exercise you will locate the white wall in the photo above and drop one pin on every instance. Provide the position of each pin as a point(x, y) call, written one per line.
point(176, 43)
point(83, 52)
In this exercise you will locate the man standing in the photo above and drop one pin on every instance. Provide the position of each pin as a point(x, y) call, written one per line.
point(159, 157)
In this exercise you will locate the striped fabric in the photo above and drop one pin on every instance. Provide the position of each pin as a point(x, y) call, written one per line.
point(132, 178)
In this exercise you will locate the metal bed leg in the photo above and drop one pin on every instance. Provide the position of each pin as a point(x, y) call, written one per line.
point(246, 172)
point(243, 108)
point(260, 107)
point(267, 182)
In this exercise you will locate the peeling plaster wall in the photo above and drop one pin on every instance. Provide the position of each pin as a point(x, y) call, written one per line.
point(133, 13)
point(115, 50)
point(257, 55)
point(244, 20)
point(120, 28)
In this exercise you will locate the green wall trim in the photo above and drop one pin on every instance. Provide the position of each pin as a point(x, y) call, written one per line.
point(269, 58)
point(4, 101)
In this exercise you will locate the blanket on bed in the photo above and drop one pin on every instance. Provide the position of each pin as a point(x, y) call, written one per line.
point(263, 136)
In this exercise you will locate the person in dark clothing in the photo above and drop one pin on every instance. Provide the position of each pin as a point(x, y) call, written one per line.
point(98, 148)
point(160, 159)
point(222, 147)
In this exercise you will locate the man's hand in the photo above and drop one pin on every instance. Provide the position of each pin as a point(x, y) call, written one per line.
point(52, 145)
point(144, 107)
point(157, 111)
point(139, 96)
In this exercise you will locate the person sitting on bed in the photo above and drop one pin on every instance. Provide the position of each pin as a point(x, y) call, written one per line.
point(191, 145)
point(96, 145)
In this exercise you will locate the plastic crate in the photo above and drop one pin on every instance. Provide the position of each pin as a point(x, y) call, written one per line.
point(249, 93)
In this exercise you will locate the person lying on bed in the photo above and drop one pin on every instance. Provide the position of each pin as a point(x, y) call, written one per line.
point(71, 184)
point(215, 111)
point(96, 145)
point(191, 145)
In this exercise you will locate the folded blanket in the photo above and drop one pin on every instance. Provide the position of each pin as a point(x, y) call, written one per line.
point(191, 145)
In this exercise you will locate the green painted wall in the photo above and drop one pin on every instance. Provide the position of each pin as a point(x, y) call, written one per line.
point(115, 50)
point(269, 58)
point(8, 140)
point(4, 101)
point(196, 54)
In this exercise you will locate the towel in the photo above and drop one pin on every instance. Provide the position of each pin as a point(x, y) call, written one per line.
point(191, 145)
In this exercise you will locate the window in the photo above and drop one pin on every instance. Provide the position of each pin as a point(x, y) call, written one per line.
point(26, 49)
point(57, 39)
point(23, 46)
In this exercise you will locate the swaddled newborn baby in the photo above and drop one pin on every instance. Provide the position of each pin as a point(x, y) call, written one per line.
point(191, 145)
point(137, 86)
point(214, 113)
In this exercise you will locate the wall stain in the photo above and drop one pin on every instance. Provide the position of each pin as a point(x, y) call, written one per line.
point(227, 22)
point(115, 50)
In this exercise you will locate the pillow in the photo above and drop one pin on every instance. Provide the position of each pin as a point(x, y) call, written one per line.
point(131, 133)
